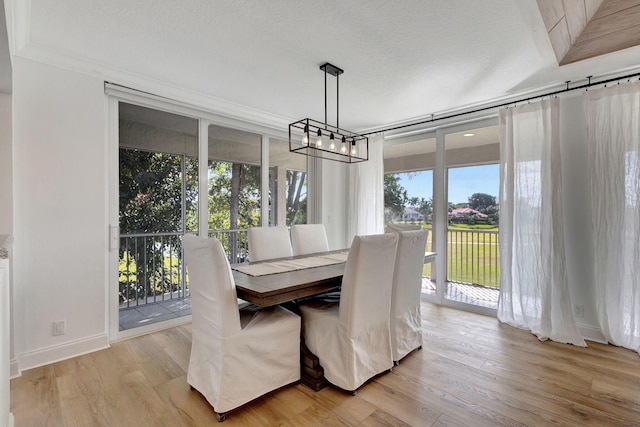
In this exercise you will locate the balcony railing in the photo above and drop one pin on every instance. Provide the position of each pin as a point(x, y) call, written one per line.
point(473, 257)
point(151, 267)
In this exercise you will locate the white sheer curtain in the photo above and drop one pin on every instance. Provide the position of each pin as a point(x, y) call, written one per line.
point(534, 290)
point(613, 117)
point(365, 202)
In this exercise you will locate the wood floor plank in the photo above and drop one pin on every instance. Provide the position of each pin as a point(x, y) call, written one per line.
point(472, 371)
point(382, 419)
point(146, 400)
point(446, 399)
point(294, 399)
point(156, 364)
point(517, 401)
point(188, 406)
point(35, 400)
point(82, 399)
point(317, 415)
point(403, 404)
point(445, 420)
point(352, 409)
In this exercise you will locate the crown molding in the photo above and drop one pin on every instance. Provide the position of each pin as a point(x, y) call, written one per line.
point(272, 124)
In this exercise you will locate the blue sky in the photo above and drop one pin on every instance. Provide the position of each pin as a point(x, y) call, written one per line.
point(463, 182)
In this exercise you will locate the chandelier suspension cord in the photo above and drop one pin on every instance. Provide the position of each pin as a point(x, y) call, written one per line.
point(628, 77)
point(325, 98)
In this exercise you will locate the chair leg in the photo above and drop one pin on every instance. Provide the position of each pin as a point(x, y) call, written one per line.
point(353, 392)
point(396, 363)
point(220, 416)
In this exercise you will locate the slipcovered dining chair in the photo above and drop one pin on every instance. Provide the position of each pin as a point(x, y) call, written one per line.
point(309, 239)
point(391, 228)
point(406, 326)
point(236, 356)
point(351, 337)
point(269, 243)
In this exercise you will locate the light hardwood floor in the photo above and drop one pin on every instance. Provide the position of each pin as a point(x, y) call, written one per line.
point(472, 371)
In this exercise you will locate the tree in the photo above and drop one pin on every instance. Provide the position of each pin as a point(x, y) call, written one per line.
point(422, 205)
point(425, 207)
point(395, 195)
point(151, 201)
point(296, 197)
point(481, 202)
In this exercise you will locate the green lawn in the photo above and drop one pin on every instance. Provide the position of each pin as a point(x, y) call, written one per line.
point(472, 255)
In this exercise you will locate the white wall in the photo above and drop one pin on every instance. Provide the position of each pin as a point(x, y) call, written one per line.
point(6, 192)
point(577, 214)
point(59, 221)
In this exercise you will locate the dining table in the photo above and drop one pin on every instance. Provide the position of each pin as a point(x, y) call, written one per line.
point(285, 281)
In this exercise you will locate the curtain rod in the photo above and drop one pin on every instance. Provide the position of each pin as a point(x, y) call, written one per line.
point(505, 104)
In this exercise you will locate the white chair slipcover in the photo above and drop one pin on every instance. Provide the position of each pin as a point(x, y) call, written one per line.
point(352, 338)
point(309, 239)
point(392, 228)
point(235, 356)
point(406, 326)
point(268, 243)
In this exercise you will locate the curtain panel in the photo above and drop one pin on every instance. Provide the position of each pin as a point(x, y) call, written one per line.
point(365, 204)
point(534, 289)
point(613, 117)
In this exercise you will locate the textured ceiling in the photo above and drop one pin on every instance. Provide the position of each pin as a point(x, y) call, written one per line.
point(402, 60)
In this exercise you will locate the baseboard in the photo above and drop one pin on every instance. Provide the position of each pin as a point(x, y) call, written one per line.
point(60, 352)
point(14, 370)
point(10, 420)
point(592, 333)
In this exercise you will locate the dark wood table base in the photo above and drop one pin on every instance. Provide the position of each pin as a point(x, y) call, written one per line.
point(312, 374)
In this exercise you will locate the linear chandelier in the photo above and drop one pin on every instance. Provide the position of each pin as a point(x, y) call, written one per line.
point(316, 139)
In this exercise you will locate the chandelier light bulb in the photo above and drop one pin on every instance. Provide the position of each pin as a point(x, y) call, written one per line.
point(353, 147)
point(305, 135)
point(319, 140)
point(343, 146)
point(332, 142)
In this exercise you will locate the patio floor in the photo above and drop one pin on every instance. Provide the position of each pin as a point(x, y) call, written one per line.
point(147, 314)
point(481, 296)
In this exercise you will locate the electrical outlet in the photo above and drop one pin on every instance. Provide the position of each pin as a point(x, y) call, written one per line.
point(59, 327)
point(578, 310)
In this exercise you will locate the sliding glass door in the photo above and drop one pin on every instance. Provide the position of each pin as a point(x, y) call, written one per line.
point(408, 194)
point(174, 170)
point(158, 203)
point(448, 181)
point(472, 182)
point(234, 188)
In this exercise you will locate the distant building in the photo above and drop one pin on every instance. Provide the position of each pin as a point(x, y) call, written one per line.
point(409, 215)
point(462, 212)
